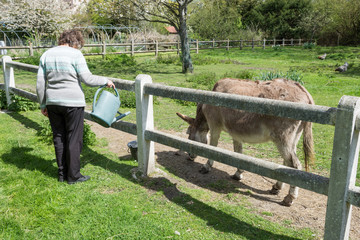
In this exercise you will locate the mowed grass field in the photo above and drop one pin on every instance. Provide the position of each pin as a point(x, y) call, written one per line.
point(33, 205)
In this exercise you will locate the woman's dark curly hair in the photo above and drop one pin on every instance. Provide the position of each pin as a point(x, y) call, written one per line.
point(73, 38)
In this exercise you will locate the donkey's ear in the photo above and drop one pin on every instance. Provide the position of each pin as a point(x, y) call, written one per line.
point(187, 119)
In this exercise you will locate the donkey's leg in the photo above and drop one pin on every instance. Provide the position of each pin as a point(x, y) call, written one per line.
point(214, 139)
point(288, 152)
point(237, 148)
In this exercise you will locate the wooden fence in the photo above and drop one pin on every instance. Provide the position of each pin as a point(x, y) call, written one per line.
point(158, 47)
point(340, 187)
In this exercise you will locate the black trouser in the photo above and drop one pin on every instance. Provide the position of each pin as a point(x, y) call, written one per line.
point(67, 124)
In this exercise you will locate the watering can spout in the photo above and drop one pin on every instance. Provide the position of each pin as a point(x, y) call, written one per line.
point(120, 116)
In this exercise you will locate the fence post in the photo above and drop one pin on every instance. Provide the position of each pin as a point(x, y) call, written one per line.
point(241, 44)
point(103, 49)
point(292, 42)
point(156, 48)
point(343, 169)
point(252, 43)
point(144, 121)
point(283, 42)
point(31, 50)
point(132, 47)
point(178, 47)
point(299, 41)
point(213, 43)
point(264, 43)
point(274, 42)
point(9, 79)
point(197, 46)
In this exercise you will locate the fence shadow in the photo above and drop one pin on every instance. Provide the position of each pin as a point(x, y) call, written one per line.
point(217, 180)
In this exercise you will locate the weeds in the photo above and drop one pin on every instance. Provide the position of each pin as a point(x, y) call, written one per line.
point(291, 75)
point(46, 135)
point(18, 103)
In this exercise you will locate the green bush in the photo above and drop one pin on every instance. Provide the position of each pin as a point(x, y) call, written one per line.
point(18, 103)
point(309, 45)
point(120, 59)
point(46, 135)
point(35, 60)
point(168, 59)
point(203, 81)
point(3, 104)
point(244, 74)
point(127, 99)
point(291, 75)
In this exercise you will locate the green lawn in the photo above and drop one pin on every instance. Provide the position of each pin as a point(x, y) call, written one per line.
point(33, 205)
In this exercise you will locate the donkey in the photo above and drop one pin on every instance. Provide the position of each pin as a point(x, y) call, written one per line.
point(246, 127)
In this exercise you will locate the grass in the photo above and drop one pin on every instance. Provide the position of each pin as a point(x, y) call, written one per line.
point(112, 205)
point(33, 205)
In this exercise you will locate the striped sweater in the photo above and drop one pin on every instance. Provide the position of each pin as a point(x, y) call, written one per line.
point(61, 71)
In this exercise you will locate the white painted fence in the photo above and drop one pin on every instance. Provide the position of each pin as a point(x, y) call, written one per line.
point(340, 187)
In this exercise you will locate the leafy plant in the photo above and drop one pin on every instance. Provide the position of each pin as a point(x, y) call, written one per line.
point(3, 104)
point(46, 135)
point(309, 45)
point(291, 74)
point(34, 60)
point(277, 47)
point(18, 103)
point(244, 74)
point(168, 59)
point(127, 99)
point(203, 81)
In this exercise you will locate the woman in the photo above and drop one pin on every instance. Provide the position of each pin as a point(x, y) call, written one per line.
point(58, 87)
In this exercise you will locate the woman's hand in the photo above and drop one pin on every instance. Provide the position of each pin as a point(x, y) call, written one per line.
point(110, 84)
point(44, 112)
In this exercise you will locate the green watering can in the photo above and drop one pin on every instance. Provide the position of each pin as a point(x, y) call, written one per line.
point(106, 107)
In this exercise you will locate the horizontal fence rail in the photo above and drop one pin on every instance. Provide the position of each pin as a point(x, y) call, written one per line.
point(346, 116)
point(158, 47)
point(314, 113)
point(272, 170)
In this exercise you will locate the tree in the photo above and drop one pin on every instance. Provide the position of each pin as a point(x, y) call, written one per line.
point(224, 19)
point(171, 12)
point(38, 17)
point(283, 18)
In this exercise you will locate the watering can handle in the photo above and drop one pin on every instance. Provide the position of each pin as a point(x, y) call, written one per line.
point(97, 92)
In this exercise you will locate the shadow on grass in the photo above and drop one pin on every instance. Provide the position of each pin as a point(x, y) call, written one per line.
point(22, 159)
point(217, 180)
point(217, 219)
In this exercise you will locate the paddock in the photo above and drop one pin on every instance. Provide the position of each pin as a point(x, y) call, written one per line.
point(340, 187)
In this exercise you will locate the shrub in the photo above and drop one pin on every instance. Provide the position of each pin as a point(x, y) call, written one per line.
point(46, 136)
point(168, 59)
point(309, 45)
point(127, 99)
point(34, 60)
point(203, 81)
point(291, 75)
point(244, 74)
point(18, 104)
point(3, 104)
point(277, 47)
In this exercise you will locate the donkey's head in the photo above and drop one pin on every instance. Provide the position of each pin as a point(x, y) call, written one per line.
point(198, 128)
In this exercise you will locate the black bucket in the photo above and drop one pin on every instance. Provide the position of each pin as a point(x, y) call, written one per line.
point(133, 149)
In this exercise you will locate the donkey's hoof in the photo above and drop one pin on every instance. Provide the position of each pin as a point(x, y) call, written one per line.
point(274, 191)
point(204, 170)
point(288, 201)
point(236, 177)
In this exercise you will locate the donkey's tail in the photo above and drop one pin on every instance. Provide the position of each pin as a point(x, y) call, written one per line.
point(308, 146)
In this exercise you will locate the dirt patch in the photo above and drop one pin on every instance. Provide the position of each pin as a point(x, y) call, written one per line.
point(308, 211)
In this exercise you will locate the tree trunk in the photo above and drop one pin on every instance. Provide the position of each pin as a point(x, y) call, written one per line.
point(185, 48)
